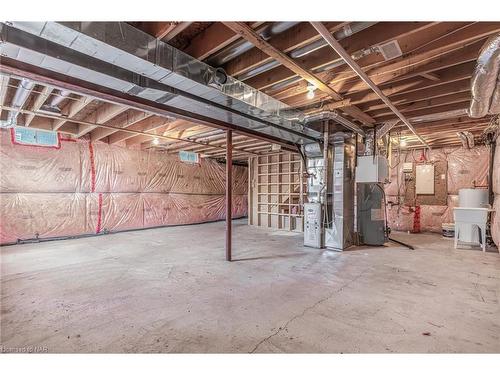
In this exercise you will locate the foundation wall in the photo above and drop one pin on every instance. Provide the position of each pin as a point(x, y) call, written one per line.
point(91, 188)
point(463, 169)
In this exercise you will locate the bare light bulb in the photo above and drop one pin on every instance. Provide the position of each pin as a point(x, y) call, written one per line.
point(310, 93)
point(156, 141)
point(402, 143)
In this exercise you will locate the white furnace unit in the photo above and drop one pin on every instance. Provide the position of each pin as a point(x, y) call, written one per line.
point(313, 229)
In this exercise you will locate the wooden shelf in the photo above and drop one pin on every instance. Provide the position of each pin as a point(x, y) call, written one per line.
point(277, 183)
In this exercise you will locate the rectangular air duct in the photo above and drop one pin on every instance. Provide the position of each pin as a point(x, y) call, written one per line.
point(117, 56)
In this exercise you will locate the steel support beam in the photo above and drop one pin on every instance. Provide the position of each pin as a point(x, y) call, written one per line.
point(40, 75)
point(229, 193)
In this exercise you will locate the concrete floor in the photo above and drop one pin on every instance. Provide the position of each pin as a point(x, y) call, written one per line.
point(170, 290)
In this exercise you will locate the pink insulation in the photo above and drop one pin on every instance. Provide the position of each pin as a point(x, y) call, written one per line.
point(496, 169)
point(400, 218)
point(431, 217)
point(86, 188)
point(466, 168)
point(31, 215)
point(495, 223)
point(30, 169)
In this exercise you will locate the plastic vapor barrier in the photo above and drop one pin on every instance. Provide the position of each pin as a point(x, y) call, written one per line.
point(92, 188)
point(495, 222)
point(466, 168)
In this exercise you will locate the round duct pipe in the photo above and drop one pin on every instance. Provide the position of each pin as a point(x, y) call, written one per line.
point(348, 30)
point(485, 80)
point(240, 46)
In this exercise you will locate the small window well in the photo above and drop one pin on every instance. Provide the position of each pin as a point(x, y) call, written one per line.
point(189, 157)
point(35, 137)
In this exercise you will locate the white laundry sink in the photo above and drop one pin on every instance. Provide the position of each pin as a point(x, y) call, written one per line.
point(470, 225)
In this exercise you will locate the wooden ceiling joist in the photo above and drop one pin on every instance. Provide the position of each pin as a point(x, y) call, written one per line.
point(296, 37)
point(101, 115)
point(394, 72)
point(375, 35)
point(249, 34)
point(213, 39)
point(432, 75)
point(71, 110)
point(165, 30)
point(147, 125)
point(124, 120)
point(38, 102)
point(4, 86)
point(364, 77)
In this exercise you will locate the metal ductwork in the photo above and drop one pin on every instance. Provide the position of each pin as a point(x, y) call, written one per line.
point(339, 224)
point(420, 119)
point(346, 31)
point(241, 46)
point(57, 99)
point(22, 93)
point(338, 62)
point(485, 83)
point(335, 116)
point(439, 116)
point(53, 105)
point(121, 58)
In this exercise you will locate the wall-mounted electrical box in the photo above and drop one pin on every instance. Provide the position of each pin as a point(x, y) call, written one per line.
point(372, 169)
point(424, 179)
point(408, 167)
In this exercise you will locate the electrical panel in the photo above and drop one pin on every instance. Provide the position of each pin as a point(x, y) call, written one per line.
point(313, 229)
point(424, 179)
point(372, 169)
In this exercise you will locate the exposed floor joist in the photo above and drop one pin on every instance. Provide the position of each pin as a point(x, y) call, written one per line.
point(249, 34)
point(432, 75)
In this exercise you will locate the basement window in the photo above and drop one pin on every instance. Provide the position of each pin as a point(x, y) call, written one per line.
point(189, 157)
point(35, 137)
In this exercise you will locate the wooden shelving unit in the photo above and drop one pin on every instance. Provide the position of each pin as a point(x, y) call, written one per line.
point(277, 191)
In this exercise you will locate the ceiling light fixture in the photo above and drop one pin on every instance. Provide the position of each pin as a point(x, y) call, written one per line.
point(310, 91)
point(403, 143)
point(156, 141)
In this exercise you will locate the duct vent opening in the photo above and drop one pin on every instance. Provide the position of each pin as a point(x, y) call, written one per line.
point(390, 50)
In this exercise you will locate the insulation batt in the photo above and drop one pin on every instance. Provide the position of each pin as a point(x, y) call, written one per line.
point(495, 222)
point(465, 168)
point(85, 188)
point(496, 169)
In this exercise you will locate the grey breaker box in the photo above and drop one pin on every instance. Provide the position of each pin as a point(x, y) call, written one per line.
point(313, 229)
